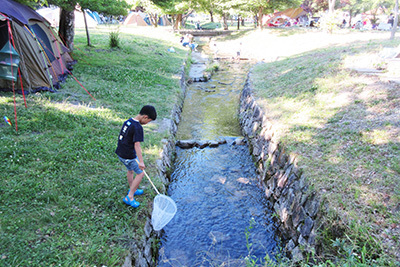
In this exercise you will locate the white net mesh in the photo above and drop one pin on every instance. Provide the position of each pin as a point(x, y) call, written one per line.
point(164, 209)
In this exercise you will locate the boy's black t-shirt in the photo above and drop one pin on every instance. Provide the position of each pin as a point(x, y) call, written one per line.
point(131, 132)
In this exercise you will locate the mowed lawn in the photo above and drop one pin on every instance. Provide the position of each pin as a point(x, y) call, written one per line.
point(343, 125)
point(61, 185)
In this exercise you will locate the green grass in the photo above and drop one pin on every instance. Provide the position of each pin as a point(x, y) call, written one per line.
point(343, 127)
point(62, 184)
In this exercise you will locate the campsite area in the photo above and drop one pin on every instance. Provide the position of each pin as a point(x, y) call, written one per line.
point(62, 185)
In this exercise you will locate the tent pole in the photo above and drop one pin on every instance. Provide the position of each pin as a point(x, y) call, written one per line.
point(68, 72)
point(43, 52)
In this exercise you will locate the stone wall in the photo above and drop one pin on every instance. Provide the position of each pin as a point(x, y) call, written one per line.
point(284, 183)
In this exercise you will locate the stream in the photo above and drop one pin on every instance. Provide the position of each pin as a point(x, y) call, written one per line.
point(223, 218)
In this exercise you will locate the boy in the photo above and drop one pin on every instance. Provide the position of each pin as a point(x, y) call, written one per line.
point(129, 151)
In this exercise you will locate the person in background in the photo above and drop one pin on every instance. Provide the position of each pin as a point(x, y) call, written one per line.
point(238, 51)
point(391, 19)
point(185, 40)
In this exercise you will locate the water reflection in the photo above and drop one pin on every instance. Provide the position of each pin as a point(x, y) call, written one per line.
point(218, 199)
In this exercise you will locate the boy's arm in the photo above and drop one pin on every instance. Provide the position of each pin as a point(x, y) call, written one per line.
point(138, 151)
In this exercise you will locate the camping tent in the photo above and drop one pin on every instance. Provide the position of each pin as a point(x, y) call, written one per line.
point(136, 19)
point(44, 60)
point(52, 14)
point(279, 18)
point(164, 21)
point(142, 19)
point(293, 13)
point(94, 15)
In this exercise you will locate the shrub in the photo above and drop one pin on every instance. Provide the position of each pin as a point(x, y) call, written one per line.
point(114, 39)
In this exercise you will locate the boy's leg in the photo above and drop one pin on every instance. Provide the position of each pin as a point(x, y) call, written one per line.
point(134, 183)
point(130, 182)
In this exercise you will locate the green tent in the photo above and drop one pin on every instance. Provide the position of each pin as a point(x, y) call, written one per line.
point(44, 60)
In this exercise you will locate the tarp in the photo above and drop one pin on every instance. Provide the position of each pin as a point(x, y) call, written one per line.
point(142, 19)
point(292, 13)
point(52, 15)
point(95, 16)
point(44, 60)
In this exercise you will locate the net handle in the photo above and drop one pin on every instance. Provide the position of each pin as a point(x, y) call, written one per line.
point(145, 173)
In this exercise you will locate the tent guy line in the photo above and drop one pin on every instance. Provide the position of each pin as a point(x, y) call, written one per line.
point(38, 59)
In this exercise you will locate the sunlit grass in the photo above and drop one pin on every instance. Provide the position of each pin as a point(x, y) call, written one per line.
point(343, 127)
point(62, 184)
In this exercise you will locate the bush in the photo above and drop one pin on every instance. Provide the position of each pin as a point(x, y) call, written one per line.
point(114, 39)
point(329, 22)
point(211, 26)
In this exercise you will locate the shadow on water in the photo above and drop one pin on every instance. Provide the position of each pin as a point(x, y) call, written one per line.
point(222, 216)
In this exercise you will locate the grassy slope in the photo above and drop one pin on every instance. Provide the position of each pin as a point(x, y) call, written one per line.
point(61, 184)
point(344, 128)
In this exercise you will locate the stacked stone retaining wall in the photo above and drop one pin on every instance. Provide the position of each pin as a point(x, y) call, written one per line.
point(142, 253)
point(285, 185)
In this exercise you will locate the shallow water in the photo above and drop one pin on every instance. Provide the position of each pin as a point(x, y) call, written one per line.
point(210, 108)
point(222, 214)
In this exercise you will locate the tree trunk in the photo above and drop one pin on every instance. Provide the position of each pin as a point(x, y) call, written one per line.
point(173, 20)
point(332, 6)
point(211, 15)
point(66, 30)
point(86, 28)
point(350, 18)
point(224, 17)
point(238, 23)
point(184, 19)
point(396, 20)
point(178, 22)
point(260, 17)
point(153, 19)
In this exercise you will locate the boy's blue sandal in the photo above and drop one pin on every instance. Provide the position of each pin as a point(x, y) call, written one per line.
point(132, 203)
point(138, 192)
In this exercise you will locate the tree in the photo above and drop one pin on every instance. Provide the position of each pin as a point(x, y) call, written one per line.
point(30, 3)
point(331, 6)
point(106, 7)
point(207, 6)
point(354, 7)
point(261, 7)
point(151, 9)
point(179, 10)
point(396, 20)
point(67, 17)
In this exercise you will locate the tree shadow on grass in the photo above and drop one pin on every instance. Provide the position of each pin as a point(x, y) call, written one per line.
point(344, 127)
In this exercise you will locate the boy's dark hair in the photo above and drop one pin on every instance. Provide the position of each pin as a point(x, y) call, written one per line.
point(150, 111)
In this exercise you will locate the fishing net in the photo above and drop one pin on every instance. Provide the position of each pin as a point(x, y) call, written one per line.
point(164, 209)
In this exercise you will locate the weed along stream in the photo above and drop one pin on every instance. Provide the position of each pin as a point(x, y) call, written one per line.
point(222, 217)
